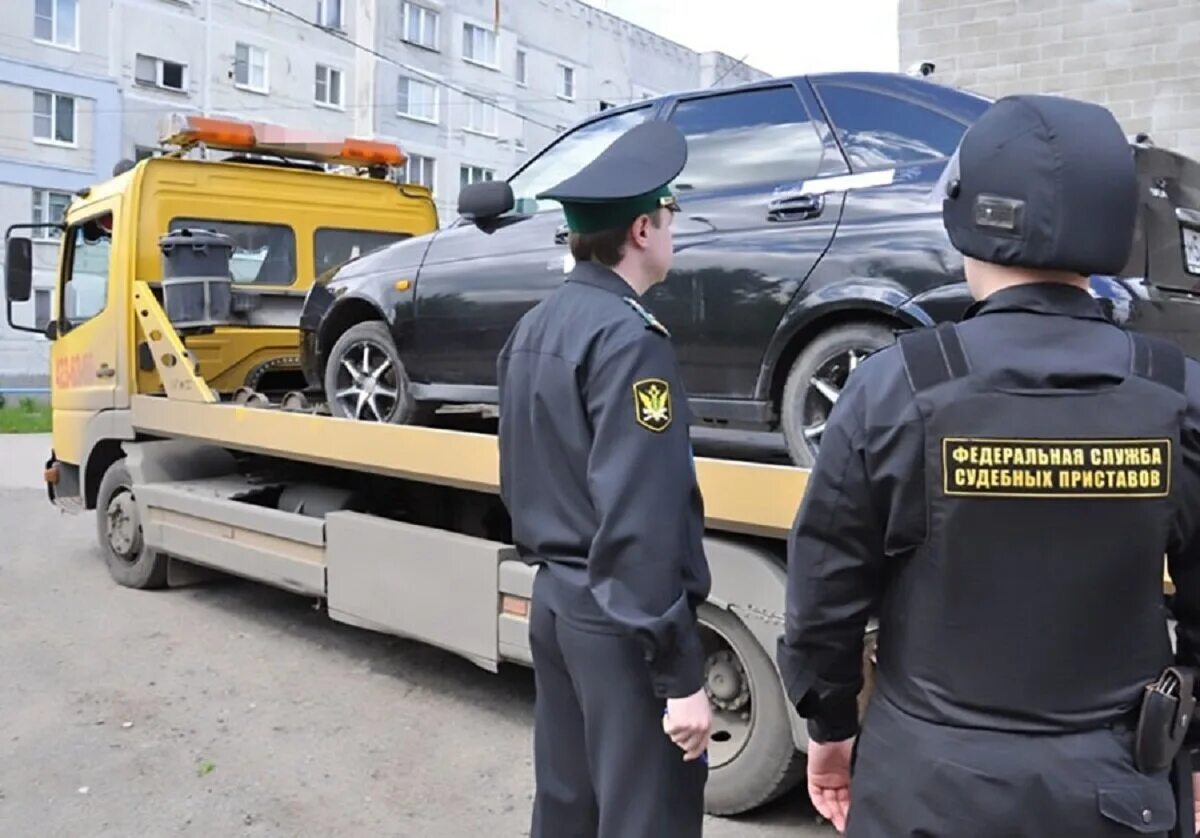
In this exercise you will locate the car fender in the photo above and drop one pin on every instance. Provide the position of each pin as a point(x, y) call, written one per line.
point(859, 298)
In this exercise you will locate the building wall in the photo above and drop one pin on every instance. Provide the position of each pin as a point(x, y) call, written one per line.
point(79, 70)
point(1139, 58)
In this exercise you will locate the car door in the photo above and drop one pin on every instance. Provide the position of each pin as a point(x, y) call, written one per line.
point(475, 284)
point(87, 359)
point(751, 229)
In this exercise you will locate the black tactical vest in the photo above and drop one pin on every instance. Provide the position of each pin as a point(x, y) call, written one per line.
point(1036, 601)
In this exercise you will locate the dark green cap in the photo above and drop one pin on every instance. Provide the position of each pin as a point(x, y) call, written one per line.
point(629, 178)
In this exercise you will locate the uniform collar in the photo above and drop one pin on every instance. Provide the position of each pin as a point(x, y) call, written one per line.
point(597, 275)
point(1041, 298)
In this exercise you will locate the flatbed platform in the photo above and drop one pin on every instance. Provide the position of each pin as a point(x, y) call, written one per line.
point(750, 498)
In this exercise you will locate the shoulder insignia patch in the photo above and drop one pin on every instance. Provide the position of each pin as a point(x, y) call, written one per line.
point(652, 322)
point(652, 404)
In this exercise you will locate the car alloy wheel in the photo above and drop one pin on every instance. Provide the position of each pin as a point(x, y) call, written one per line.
point(367, 384)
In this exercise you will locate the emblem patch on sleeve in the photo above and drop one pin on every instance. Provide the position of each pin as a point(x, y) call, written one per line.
point(652, 404)
point(1058, 468)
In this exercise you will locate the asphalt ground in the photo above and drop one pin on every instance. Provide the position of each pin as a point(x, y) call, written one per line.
point(233, 709)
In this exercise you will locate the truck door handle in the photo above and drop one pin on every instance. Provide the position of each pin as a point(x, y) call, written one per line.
point(795, 207)
point(105, 371)
point(562, 234)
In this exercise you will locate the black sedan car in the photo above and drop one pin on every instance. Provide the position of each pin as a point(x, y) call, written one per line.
point(807, 239)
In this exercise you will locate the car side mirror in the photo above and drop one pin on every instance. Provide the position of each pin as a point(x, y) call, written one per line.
point(52, 330)
point(485, 200)
point(18, 269)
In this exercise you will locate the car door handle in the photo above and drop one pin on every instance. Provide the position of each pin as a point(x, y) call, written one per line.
point(562, 234)
point(796, 207)
point(105, 371)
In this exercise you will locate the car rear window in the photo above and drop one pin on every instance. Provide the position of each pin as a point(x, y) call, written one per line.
point(878, 130)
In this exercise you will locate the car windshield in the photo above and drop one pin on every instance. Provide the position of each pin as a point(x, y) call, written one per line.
point(568, 156)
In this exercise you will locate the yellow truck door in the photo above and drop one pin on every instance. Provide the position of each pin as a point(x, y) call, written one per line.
point(87, 359)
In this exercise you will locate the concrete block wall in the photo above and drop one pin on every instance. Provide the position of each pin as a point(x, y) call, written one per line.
point(1139, 58)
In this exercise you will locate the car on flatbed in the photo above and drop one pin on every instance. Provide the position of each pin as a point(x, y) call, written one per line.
point(807, 239)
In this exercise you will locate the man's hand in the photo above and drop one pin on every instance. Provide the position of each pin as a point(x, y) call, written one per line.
point(829, 780)
point(689, 722)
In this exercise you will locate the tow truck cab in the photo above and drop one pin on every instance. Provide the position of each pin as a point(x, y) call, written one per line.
point(294, 207)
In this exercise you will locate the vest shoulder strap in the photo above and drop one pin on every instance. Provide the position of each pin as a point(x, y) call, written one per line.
point(933, 356)
point(1158, 360)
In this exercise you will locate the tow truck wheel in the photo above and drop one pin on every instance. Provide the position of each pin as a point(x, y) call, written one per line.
point(119, 530)
point(365, 378)
point(751, 758)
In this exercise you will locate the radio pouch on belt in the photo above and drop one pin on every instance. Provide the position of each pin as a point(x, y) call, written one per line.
point(1165, 715)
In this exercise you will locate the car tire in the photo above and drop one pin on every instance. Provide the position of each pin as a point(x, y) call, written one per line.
point(365, 378)
point(816, 378)
point(119, 530)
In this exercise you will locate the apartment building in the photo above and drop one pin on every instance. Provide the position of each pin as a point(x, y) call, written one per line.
point(86, 83)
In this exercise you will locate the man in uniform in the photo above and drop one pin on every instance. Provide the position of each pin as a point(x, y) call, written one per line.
point(596, 471)
point(1001, 494)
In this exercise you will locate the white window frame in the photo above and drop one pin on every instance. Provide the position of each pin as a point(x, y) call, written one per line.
point(266, 63)
point(429, 163)
point(48, 295)
point(158, 74)
point(256, 4)
point(472, 169)
point(488, 33)
point(51, 140)
point(340, 104)
point(563, 70)
point(323, 7)
point(435, 99)
point(73, 46)
point(521, 70)
point(41, 213)
point(424, 13)
point(477, 107)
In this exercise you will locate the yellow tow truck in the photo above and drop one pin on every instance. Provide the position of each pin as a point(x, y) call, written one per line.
point(163, 429)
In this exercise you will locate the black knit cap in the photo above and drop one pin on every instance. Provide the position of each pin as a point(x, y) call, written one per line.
point(1043, 182)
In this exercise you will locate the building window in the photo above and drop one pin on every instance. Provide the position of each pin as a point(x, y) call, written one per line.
point(566, 82)
point(481, 116)
point(474, 174)
point(522, 67)
point(41, 308)
point(141, 152)
point(49, 208)
point(328, 86)
point(56, 22)
point(420, 25)
point(479, 45)
point(329, 13)
point(53, 118)
point(419, 170)
point(417, 99)
point(157, 72)
point(250, 68)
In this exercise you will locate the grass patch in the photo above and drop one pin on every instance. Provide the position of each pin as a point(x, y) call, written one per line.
point(27, 417)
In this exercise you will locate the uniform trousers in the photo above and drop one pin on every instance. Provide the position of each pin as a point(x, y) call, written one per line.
point(915, 778)
point(604, 768)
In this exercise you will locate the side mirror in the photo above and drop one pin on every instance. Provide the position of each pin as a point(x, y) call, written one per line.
point(485, 200)
point(18, 269)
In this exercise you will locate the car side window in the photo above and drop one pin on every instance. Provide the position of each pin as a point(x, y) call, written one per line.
point(878, 130)
point(751, 137)
point(568, 156)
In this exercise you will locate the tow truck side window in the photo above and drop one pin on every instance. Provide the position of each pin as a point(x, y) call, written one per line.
point(85, 270)
point(263, 254)
point(333, 247)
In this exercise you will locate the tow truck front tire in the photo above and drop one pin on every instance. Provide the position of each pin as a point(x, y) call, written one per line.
point(119, 530)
